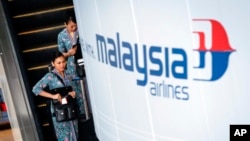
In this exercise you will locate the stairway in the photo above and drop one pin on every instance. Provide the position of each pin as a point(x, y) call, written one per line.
point(34, 25)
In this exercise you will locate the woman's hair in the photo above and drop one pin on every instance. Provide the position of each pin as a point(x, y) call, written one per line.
point(69, 16)
point(55, 55)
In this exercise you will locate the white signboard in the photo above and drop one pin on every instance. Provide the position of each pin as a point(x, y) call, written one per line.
point(166, 70)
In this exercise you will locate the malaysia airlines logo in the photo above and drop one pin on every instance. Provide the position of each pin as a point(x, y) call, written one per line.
point(142, 58)
point(220, 50)
point(148, 61)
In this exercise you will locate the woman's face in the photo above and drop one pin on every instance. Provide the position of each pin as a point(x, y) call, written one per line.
point(59, 63)
point(71, 26)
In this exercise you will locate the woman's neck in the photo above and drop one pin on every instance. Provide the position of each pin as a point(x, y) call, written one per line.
point(71, 33)
point(60, 73)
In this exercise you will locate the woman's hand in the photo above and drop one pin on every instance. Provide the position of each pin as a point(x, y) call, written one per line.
point(72, 94)
point(72, 51)
point(57, 97)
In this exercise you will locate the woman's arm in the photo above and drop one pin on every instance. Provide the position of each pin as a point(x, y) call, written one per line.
point(71, 52)
point(51, 96)
point(63, 42)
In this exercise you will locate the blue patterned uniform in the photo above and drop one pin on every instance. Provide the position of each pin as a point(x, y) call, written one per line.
point(65, 42)
point(68, 130)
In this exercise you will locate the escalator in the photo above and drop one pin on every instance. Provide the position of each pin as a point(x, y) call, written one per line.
point(34, 26)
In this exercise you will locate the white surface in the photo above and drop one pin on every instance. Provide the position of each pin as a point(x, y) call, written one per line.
point(127, 111)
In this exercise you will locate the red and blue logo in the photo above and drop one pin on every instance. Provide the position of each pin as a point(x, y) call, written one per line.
point(220, 50)
point(122, 54)
point(153, 60)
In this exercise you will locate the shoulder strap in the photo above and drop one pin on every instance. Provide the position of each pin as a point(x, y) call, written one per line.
point(59, 78)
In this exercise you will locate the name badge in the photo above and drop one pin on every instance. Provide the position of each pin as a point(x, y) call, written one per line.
point(64, 100)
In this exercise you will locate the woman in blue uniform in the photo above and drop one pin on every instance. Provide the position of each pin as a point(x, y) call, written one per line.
point(67, 41)
point(66, 130)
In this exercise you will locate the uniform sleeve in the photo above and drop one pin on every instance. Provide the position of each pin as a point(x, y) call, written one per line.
point(60, 43)
point(41, 84)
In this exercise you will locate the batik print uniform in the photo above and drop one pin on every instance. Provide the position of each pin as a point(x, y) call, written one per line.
point(66, 42)
point(68, 130)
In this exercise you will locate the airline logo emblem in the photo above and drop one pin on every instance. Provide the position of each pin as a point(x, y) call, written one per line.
point(220, 50)
point(123, 54)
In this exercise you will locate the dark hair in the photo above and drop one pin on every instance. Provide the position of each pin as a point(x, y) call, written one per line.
point(69, 16)
point(55, 55)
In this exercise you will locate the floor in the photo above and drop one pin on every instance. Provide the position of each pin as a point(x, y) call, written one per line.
point(5, 129)
point(5, 132)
